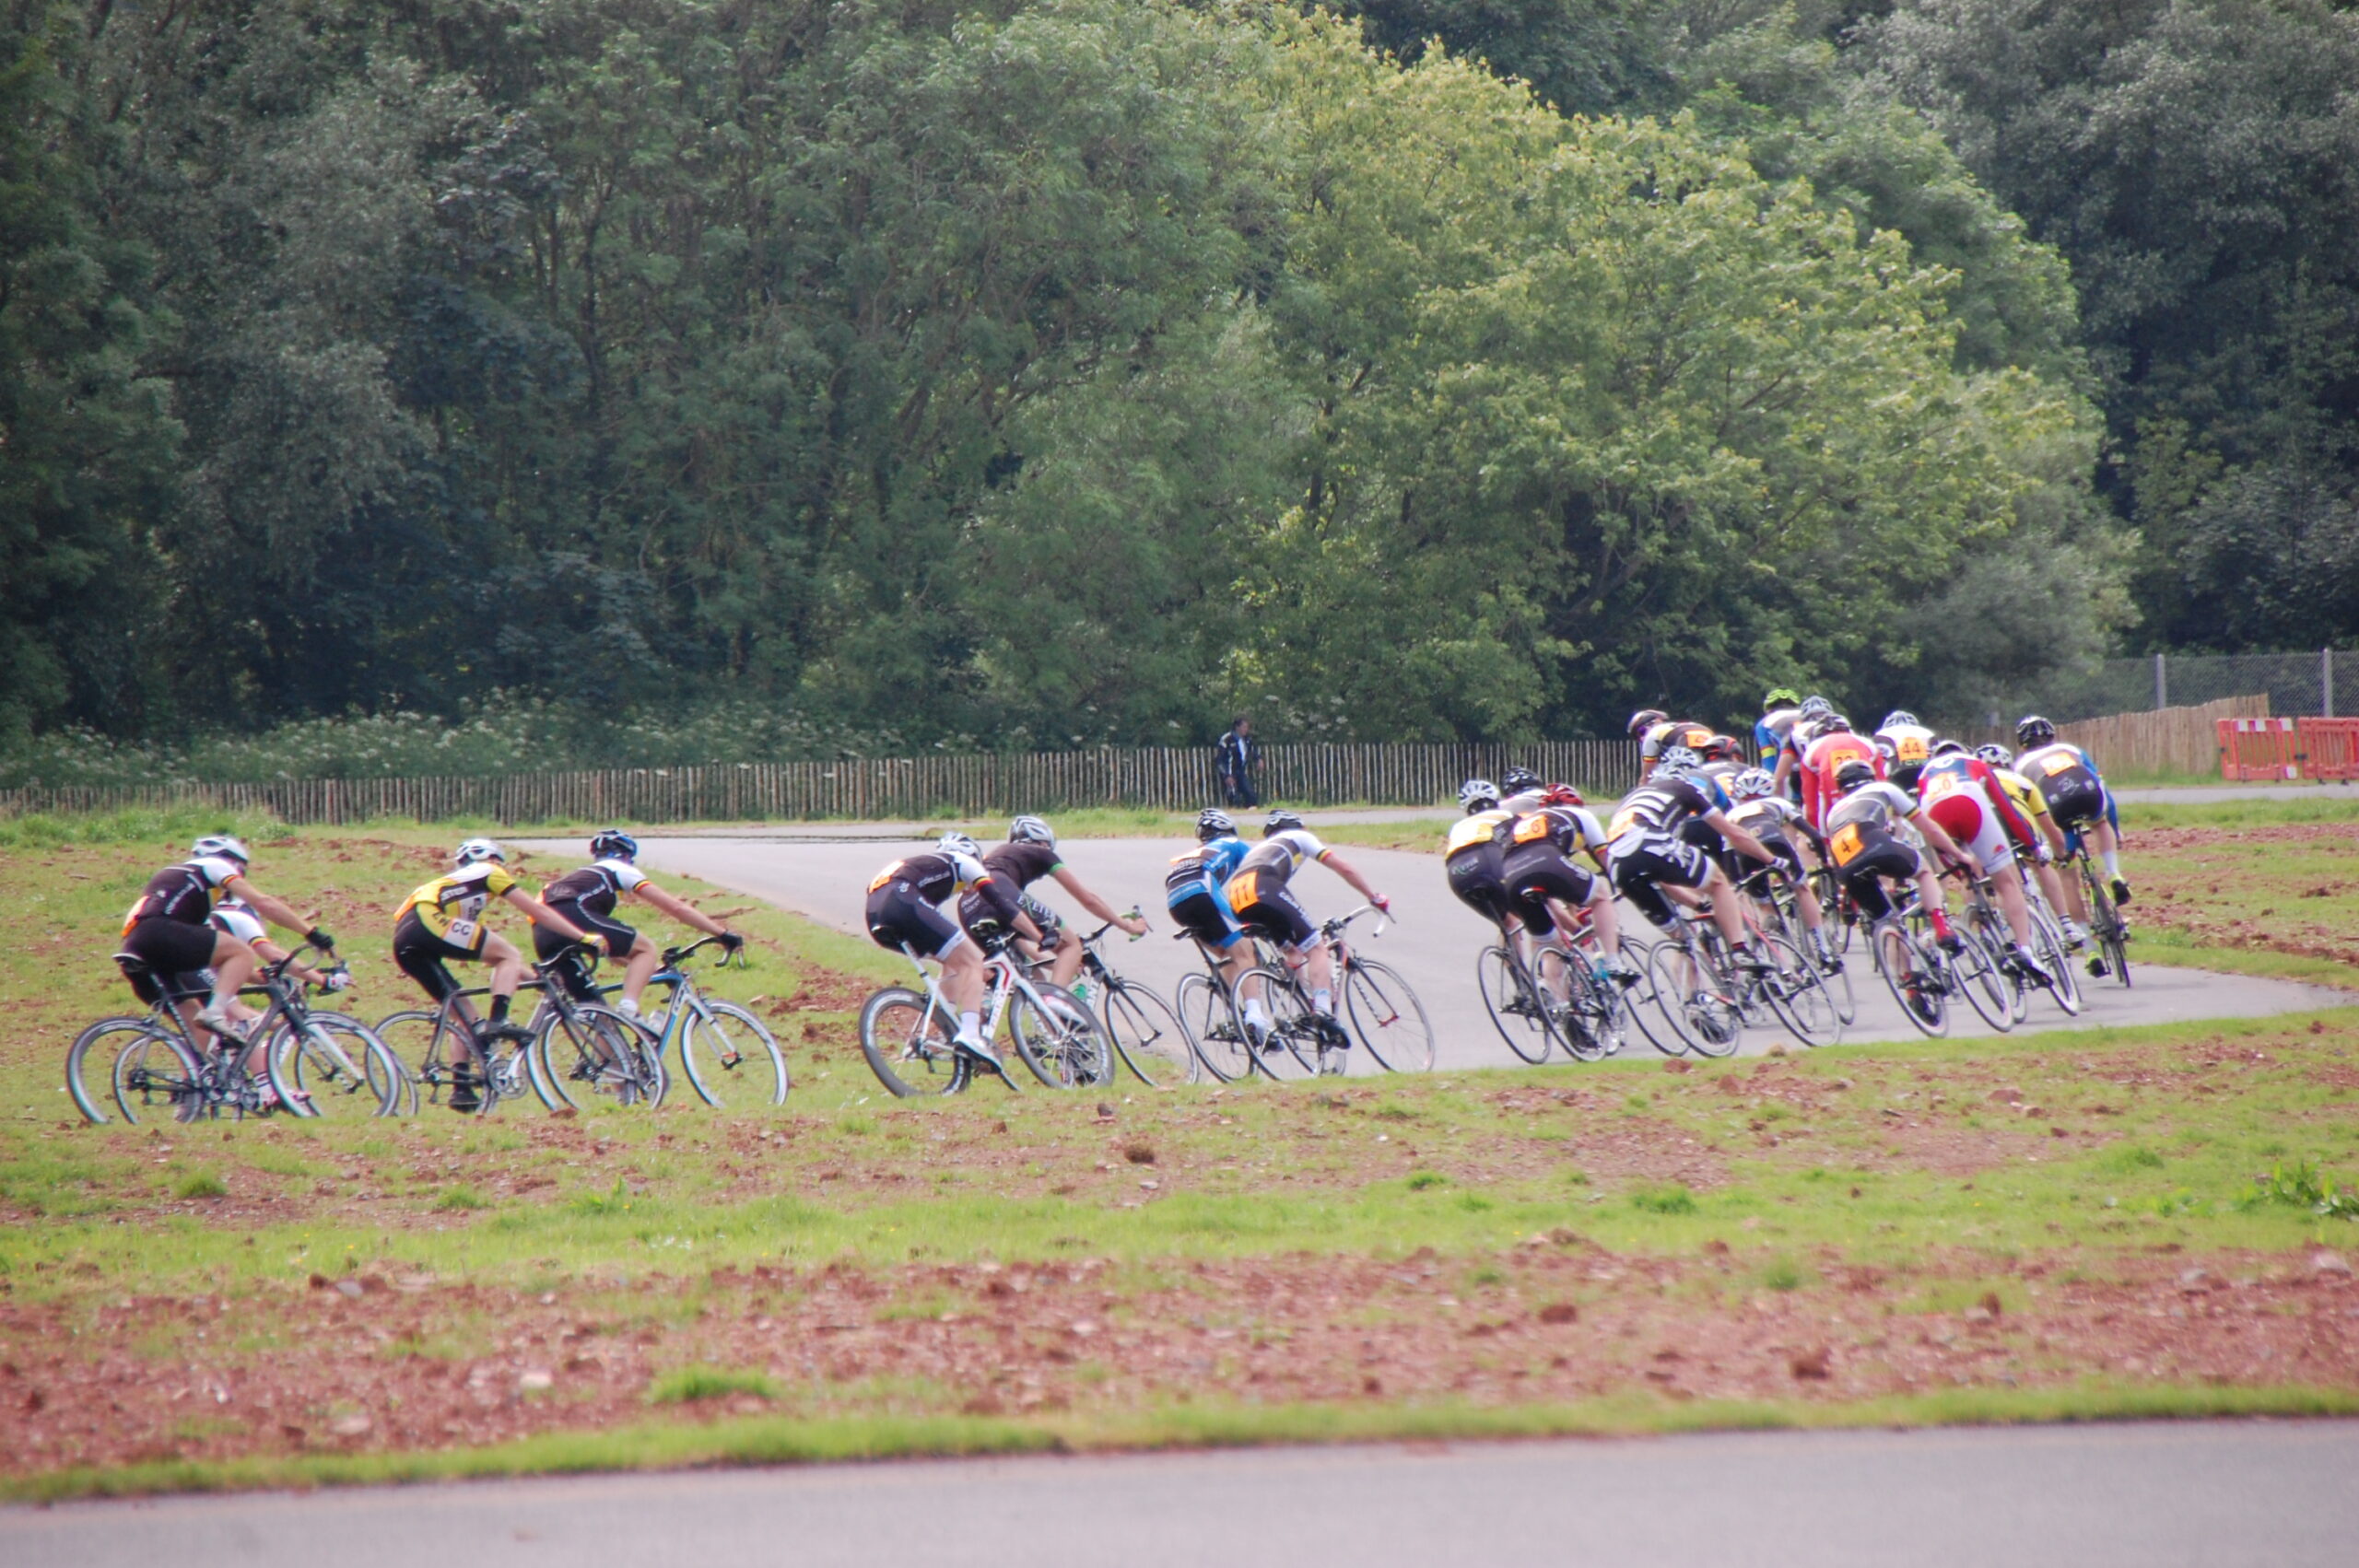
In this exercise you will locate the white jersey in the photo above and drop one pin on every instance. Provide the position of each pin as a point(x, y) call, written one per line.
point(1284, 852)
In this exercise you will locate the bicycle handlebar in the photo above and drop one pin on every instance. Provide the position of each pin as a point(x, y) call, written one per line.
point(675, 956)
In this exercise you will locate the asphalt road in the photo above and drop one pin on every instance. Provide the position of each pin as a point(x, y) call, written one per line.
point(1433, 940)
point(2221, 1495)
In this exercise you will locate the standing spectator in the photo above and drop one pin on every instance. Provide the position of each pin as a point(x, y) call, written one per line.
point(1236, 761)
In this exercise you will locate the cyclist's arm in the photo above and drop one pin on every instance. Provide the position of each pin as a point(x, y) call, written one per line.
point(680, 909)
point(1742, 842)
point(1091, 902)
point(541, 914)
point(278, 911)
point(1941, 843)
point(1351, 874)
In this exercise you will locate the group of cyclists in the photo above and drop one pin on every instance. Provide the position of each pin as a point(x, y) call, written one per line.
point(1710, 813)
point(1713, 813)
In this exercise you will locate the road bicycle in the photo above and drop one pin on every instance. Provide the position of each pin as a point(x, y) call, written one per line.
point(1772, 905)
point(1924, 975)
point(1372, 1002)
point(2107, 929)
point(577, 1053)
point(909, 1036)
point(729, 1056)
point(1988, 927)
point(160, 1065)
point(1708, 994)
point(1587, 1017)
point(1142, 1027)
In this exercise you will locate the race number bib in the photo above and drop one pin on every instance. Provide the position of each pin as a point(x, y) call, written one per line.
point(1240, 890)
point(1912, 748)
point(887, 874)
point(1531, 829)
point(2056, 764)
point(1846, 844)
point(1624, 821)
point(463, 932)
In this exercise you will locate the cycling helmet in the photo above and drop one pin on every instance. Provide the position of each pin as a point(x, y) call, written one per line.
point(1720, 748)
point(1949, 748)
point(1031, 830)
point(615, 844)
point(1516, 781)
point(476, 850)
point(1676, 760)
point(2032, 731)
point(1816, 707)
point(1279, 822)
point(1214, 823)
point(1834, 724)
point(1477, 795)
point(1752, 784)
point(222, 844)
point(1563, 795)
point(1776, 697)
point(1645, 716)
point(1851, 775)
point(958, 844)
point(1899, 718)
point(1996, 757)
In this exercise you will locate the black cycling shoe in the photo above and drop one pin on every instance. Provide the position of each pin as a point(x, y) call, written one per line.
point(2120, 891)
point(513, 1034)
point(465, 1095)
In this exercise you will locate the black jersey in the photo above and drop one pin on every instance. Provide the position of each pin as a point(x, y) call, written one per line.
point(1661, 807)
point(184, 893)
point(1022, 862)
point(595, 886)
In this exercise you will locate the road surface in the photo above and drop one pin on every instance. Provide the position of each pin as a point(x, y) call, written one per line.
point(2218, 1495)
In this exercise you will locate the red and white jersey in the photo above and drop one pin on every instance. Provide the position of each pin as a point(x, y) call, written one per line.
point(1822, 760)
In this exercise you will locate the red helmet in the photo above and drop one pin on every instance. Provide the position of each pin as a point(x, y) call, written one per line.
point(1563, 795)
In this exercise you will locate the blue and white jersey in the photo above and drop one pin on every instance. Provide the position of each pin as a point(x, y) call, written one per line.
point(1204, 868)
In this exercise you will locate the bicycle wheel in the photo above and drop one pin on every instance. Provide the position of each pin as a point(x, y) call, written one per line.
point(1991, 947)
point(730, 1059)
point(155, 1078)
point(1913, 982)
point(1288, 1040)
point(1692, 1001)
point(2048, 947)
point(1592, 1025)
point(1518, 1010)
point(1060, 1040)
point(1835, 906)
point(335, 1067)
point(1838, 983)
point(1642, 1004)
point(2107, 929)
point(1798, 995)
point(1147, 1035)
point(1387, 1018)
point(1208, 1017)
point(592, 1054)
point(99, 1043)
point(910, 1051)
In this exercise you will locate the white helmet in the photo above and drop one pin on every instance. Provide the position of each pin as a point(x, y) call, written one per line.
point(1477, 795)
point(1752, 784)
point(1031, 830)
point(958, 844)
point(1901, 719)
point(1676, 761)
point(222, 844)
point(476, 850)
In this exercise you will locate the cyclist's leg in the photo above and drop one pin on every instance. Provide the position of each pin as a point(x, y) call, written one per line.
point(505, 964)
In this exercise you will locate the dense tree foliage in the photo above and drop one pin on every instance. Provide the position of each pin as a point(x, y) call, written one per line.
point(1083, 370)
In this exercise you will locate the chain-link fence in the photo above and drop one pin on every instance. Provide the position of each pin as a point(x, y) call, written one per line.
point(2297, 686)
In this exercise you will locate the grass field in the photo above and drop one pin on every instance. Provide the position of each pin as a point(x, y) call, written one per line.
point(2022, 1228)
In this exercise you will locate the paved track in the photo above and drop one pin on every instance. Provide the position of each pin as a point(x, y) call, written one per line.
point(1433, 942)
point(2221, 1495)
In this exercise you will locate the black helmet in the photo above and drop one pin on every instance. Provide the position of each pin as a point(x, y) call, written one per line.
point(1853, 774)
point(1279, 822)
point(2031, 729)
point(1214, 823)
point(1645, 716)
point(614, 844)
point(1516, 781)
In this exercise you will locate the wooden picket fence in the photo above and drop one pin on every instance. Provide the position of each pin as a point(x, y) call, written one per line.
point(1165, 778)
point(2164, 739)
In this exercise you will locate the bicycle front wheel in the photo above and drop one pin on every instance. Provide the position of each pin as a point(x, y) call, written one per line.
point(909, 1045)
point(731, 1059)
point(335, 1067)
point(1979, 969)
point(91, 1088)
point(1518, 1012)
point(1147, 1033)
point(1913, 981)
point(594, 1055)
point(2048, 947)
point(1286, 1041)
point(1215, 1034)
point(1060, 1040)
point(1798, 995)
point(1387, 1018)
point(155, 1078)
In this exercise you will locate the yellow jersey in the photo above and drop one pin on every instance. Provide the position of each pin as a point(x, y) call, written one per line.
point(451, 906)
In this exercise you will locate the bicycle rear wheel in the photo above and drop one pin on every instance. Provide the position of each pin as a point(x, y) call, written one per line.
point(1592, 1026)
point(731, 1059)
point(155, 1078)
point(1798, 995)
point(1288, 1042)
point(910, 1051)
point(1835, 905)
point(2106, 927)
point(1209, 1018)
point(1146, 1034)
point(99, 1043)
point(1518, 1010)
point(335, 1066)
point(595, 1056)
point(1387, 1018)
point(1060, 1040)
point(1913, 982)
point(2048, 947)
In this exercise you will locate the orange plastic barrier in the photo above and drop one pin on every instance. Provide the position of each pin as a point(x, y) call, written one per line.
point(2329, 749)
point(2255, 749)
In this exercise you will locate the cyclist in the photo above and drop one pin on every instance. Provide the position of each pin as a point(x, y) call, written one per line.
point(1872, 836)
point(587, 897)
point(1259, 896)
point(166, 928)
point(1192, 891)
point(1656, 734)
point(1471, 853)
point(1960, 795)
point(903, 913)
point(1905, 746)
point(1780, 707)
point(442, 919)
point(1829, 749)
point(1029, 854)
point(2076, 795)
point(1778, 823)
point(1647, 859)
point(1814, 712)
point(1521, 789)
point(1548, 890)
point(2027, 798)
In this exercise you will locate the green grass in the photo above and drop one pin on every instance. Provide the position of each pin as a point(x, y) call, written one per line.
point(693, 1383)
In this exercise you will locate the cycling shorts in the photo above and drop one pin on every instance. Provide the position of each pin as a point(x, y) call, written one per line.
point(616, 937)
point(170, 947)
point(1977, 826)
point(1204, 914)
point(1538, 872)
point(424, 957)
point(2075, 798)
point(898, 918)
point(1864, 872)
point(1274, 914)
point(152, 987)
point(979, 916)
point(1638, 862)
point(1475, 876)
